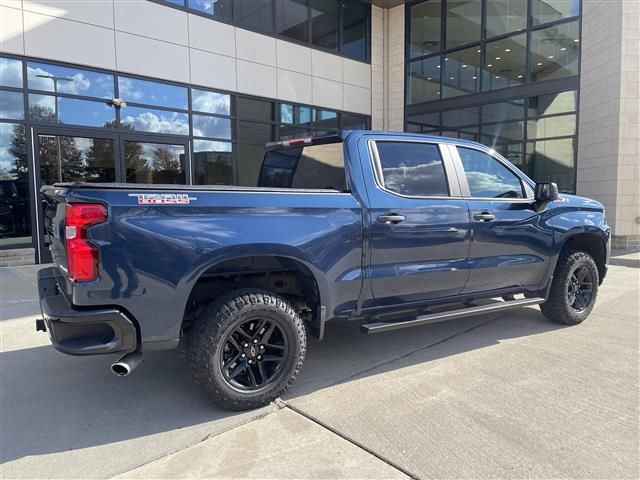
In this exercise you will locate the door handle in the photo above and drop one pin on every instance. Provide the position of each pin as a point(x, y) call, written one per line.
point(484, 217)
point(391, 218)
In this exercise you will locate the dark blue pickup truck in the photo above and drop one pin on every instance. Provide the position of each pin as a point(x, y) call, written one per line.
point(391, 230)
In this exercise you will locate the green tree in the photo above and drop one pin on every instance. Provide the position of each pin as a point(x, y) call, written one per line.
point(51, 151)
point(138, 171)
point(166, 166)
point(100, 161)
point(18, 150)
point(60, 159)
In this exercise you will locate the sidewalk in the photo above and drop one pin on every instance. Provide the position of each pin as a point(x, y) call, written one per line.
point(283, 444)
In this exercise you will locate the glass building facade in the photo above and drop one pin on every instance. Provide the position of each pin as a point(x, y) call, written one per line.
point(501, 72)
point(59, 123)
point(505, 73)
point(330, 25)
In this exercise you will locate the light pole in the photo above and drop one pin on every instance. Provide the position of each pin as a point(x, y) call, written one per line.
point(55, 79)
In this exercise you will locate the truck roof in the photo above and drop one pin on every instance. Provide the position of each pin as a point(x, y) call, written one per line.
point(435, 138)
point(342, 135)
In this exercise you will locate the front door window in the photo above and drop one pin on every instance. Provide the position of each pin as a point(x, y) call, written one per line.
point(487, 177)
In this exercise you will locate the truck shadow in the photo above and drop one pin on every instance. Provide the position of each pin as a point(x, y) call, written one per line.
point(625, 262)
point(348, 355)
point(54, 403)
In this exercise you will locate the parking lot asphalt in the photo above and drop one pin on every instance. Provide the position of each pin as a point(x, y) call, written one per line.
point(497, 396)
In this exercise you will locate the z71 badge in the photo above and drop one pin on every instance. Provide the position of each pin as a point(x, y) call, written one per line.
point(163, 198)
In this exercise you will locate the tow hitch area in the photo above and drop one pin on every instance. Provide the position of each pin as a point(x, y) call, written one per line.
point(40, 325)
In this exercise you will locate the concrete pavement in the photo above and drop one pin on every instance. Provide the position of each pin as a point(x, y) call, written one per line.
point(495, 396)
point(282, 445)
point(70, 417)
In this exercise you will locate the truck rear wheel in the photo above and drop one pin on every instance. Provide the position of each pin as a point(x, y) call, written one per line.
point(574, 289)
point(246, 348)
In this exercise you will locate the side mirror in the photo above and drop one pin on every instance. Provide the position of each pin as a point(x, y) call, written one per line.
point(546, 192)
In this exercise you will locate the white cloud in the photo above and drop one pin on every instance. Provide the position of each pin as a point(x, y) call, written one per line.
point(206, 5)
point(211, 146)
point(73, 81)
point(11, 73)
point(426, 179)
point(211, 102)
point(488, 184)
point(204, 126)
point(44, 101)
point(128, 91)
point(12, 105)
point(149, 148)
point(79, 84)
point(169, 122)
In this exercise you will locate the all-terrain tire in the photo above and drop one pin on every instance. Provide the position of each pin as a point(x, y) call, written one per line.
point(557, 308)
point(210, 334)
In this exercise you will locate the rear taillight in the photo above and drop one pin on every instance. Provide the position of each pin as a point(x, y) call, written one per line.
point(82, 256)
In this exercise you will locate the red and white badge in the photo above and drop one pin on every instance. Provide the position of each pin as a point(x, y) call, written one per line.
point(163, 198)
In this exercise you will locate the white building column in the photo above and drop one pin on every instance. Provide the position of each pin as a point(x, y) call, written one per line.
point(387, 68)
point(608, 167)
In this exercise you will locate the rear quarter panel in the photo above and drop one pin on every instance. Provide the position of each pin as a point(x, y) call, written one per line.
point(152, 255)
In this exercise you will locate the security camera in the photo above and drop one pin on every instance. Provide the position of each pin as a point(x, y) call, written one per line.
point(118, 102)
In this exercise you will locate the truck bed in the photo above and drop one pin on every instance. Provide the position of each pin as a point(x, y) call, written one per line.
point(173, 187)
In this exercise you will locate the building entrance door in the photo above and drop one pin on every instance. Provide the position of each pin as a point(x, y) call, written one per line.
point(99, 156)
point(76, 158)
point(151, 160)
point(70, 155)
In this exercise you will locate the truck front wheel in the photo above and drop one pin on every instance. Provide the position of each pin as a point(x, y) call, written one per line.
point(574, 289)
point(246, 348)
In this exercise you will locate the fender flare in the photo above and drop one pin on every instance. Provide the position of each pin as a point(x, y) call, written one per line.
point(211, 259)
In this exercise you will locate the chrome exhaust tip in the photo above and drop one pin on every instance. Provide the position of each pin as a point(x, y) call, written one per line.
point(127, 364)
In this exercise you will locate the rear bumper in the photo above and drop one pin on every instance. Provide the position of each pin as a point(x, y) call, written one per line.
point(82, 331)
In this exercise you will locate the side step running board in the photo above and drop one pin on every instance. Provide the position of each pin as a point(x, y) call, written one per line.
point(377, 327)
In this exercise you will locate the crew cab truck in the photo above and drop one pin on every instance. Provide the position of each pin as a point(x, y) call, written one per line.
point(392, 230)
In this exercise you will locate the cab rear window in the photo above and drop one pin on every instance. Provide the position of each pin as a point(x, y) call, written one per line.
point(309, 167)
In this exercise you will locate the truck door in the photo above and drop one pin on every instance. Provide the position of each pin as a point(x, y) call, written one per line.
point(509, 247)
point(419, 223)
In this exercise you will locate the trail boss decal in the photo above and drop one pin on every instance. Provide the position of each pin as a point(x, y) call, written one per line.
point(163, 198)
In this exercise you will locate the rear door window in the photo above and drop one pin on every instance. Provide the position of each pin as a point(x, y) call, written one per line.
point(412, 169)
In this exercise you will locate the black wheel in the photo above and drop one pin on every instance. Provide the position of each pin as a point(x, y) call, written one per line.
point(574, 289)
point(246, 348)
